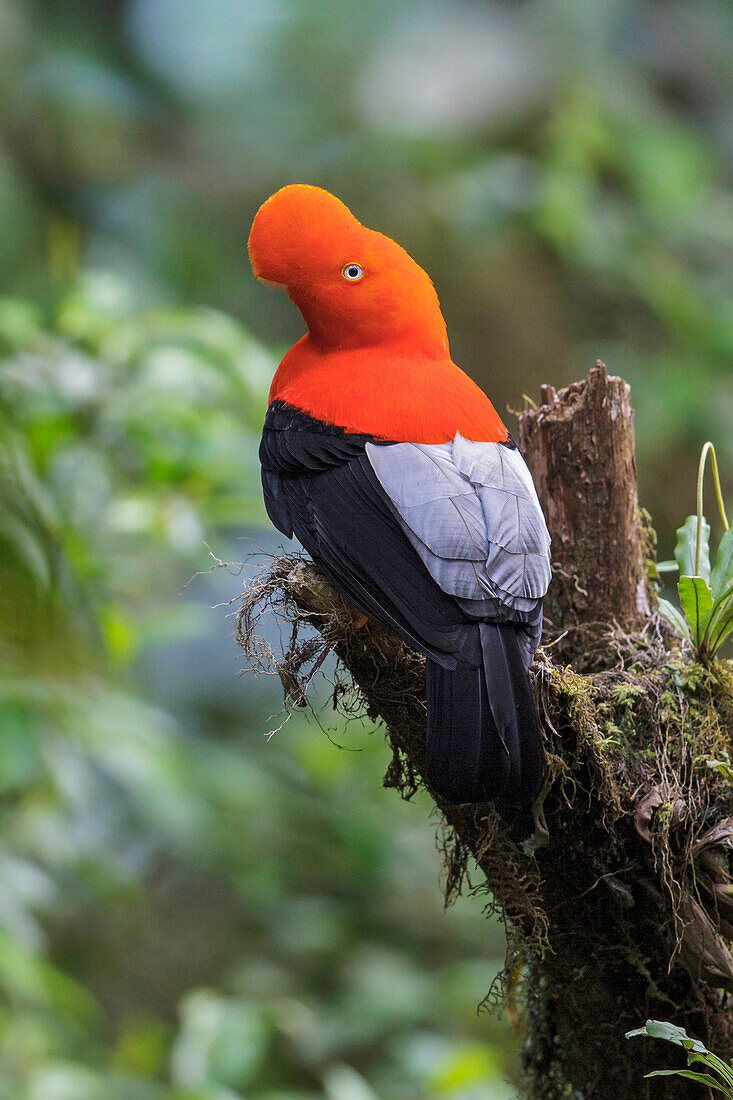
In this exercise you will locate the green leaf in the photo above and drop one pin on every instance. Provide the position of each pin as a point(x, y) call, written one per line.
point(696, 1052)
point(697, 604)
point(721, 577)
point(662, 1029)
point(667, 567)
point(701, 1078)
point(678, 621)
point(684, 551)
point(720, 624)
point(712, 1060)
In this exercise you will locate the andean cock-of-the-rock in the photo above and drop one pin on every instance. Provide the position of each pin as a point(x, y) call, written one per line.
point(395, 472)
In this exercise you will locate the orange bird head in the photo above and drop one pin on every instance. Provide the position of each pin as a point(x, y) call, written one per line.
point(355, 287)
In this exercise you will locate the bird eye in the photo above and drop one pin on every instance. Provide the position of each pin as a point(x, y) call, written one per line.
point(352, 272)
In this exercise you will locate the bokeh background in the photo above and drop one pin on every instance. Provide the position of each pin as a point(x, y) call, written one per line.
point(189, 911)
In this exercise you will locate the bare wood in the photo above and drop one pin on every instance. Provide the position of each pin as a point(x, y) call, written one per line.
point(579, 445)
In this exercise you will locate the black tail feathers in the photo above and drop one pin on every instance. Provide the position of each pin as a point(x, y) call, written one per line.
point(484, 739)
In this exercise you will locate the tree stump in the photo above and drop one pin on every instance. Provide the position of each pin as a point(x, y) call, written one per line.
point(615, 908)
point(580, 449)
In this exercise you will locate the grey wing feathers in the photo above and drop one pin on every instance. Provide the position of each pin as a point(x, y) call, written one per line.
point(472, 514)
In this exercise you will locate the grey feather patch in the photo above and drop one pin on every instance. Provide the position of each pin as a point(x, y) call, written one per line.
point(449, 530)
point(472, 514)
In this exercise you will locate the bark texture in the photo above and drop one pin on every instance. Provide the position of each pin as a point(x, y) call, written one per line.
point(581, 452)
point(612, 895)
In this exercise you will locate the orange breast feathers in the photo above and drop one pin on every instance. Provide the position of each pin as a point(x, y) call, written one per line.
point(375, 359)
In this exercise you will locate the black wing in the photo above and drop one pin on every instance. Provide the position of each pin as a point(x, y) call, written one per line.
point(319, 486)
point(483, 737)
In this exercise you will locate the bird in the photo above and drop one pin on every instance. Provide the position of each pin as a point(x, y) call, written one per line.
point(395, 472)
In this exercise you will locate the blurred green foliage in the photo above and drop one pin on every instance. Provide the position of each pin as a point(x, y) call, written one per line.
point(188, 910)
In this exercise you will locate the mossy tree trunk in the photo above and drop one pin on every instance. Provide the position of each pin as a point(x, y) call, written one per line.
point(614, 897)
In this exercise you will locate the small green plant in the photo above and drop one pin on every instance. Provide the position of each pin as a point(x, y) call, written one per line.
point(723, 766)
point(696, 1051)
point(706, 595)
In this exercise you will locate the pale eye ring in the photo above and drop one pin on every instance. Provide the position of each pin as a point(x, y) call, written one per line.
point(352, 272)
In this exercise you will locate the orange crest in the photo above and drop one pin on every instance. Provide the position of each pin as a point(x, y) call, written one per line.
point(376, 356)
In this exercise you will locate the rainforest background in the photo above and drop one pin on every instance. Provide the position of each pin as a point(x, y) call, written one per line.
point(188, 910)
